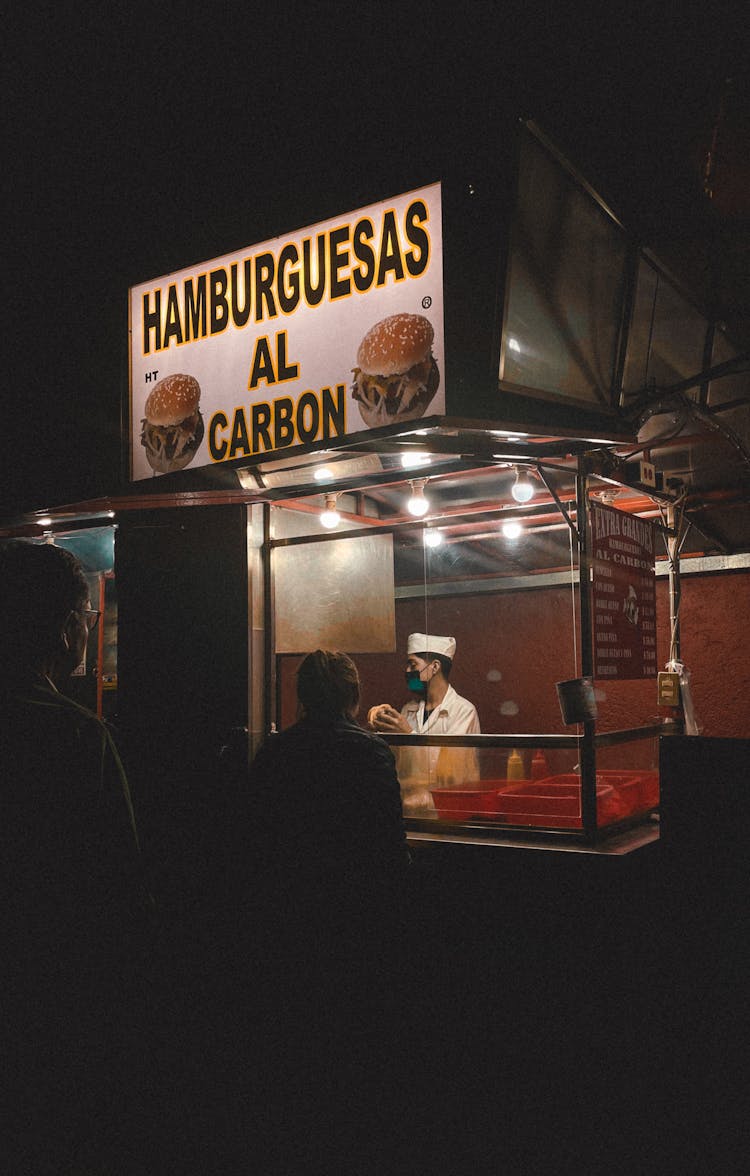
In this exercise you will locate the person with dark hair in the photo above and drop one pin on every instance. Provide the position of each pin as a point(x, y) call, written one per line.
point(435, 709)
point(44, 593)
point(325, 792)
point(74, 901)
point(313, 961)
point(63, 783)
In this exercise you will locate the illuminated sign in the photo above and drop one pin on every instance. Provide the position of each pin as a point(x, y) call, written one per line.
point(328, 331)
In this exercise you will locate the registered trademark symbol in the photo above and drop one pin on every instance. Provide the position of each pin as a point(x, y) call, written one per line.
point(426, 302)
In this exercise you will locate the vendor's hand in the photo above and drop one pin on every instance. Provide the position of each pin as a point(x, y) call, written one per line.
point(388, 720)
point(372, 716)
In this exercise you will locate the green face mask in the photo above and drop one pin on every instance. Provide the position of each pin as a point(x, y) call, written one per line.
point(415, 684)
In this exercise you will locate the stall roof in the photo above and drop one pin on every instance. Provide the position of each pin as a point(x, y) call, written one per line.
point(701, 469)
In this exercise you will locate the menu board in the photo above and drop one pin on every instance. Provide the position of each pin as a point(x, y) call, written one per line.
point(623, 594)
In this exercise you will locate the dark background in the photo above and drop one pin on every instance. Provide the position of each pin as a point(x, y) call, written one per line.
point(140, 145)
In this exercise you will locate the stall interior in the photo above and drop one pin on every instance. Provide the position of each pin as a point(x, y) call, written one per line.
point(357, 549)
point(428, 542)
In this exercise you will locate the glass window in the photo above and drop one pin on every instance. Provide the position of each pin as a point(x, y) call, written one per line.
point(507, 600)
point(564, 286)
point(667, 335)
point(730, 388)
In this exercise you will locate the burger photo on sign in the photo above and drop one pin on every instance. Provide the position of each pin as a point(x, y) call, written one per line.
point(396, 375)
point(172, 427)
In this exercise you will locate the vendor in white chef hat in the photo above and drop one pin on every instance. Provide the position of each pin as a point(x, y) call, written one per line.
point(436, 709)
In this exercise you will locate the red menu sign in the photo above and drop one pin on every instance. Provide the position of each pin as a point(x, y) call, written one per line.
point(623, 594)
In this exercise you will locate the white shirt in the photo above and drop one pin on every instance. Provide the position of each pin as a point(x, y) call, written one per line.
point(422, 768)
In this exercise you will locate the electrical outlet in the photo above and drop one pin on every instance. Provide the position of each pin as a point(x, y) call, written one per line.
point(668, 688)
point(647, 473)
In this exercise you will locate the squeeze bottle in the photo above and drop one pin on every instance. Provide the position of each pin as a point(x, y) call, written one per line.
point(515, 766)
point(444, 769)
point(539, 766)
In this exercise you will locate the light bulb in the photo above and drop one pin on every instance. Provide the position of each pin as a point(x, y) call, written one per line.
point(418, 504)
point(330, 517)
point(523, 488)
point(415, 459)
point(432, 538)
point(44, 521)
point(323, 474)
point(511, 530)
point(607, 497)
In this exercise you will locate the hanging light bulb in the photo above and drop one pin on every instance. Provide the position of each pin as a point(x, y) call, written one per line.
point(511, 529)
point(523, 487)
point(608, 496)
point(414, 459)
point(432, 538)
point(330, 517)
point(418, 504)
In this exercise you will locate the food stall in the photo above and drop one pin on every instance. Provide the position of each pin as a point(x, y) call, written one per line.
point(434, 414)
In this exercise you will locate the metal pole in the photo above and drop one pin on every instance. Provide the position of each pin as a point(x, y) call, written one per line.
point(675, 539)
point(675, 587)
point(269, 635)
point(588, 751)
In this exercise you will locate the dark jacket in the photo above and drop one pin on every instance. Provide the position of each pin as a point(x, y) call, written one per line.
point(75, 926)
point(325, 803)
point(69, 857)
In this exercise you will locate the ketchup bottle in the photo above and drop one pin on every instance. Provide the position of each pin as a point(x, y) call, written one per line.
point(539, 766)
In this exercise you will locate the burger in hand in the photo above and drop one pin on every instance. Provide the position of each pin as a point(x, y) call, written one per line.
point(172, 428)
point(396, 375)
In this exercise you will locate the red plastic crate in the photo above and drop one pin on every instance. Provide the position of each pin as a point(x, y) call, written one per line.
point(459, 804)
point(557, 799)
point(554, 801)
point(639, 791)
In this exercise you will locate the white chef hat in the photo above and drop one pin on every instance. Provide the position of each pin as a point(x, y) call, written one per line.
point(429, 643)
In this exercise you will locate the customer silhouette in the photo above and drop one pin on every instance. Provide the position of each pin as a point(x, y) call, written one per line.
point(73, 901)
point(324, 793)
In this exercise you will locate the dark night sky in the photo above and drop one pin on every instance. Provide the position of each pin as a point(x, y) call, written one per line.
point(137, 148)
